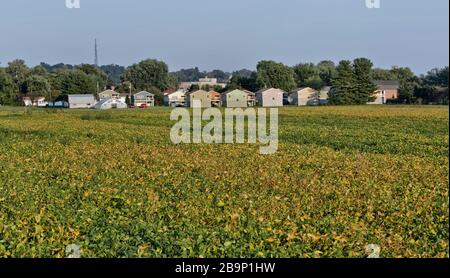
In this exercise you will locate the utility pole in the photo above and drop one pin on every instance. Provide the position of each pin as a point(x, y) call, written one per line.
point(130, 94)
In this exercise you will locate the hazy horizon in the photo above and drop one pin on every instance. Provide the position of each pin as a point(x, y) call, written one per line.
point(229, 35)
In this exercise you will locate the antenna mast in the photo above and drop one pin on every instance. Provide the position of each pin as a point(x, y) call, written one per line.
point(96, 53)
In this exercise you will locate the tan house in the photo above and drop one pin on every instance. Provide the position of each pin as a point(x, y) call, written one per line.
point(109, 94)
point(235, 99)
point(304, 96)
point(386, 90)
point(270, 97)
point(198, 99)
point(251, 98)
point(323, 95)
point(215, 97)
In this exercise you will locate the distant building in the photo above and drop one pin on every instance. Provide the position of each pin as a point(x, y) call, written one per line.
point(304, 96)
point(35, 101)
point(143, 99)
point(251, 98)
point(386, 90)
point(216, 99)
point(323, 95)
point(109, 94)
point(270, 97)
point(75, 101)
point(203, 82)
point(235, 99)
point(175, 99)
point(27, 101)
point(201, 96)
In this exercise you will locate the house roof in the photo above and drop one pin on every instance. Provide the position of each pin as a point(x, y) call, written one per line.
point(170, 91)
point(86, 99)
point(264, 90)
point(303, 88)
point(234, 90)
point(387, 84)
point(144, 93)
point(109, 92)
point(197, 92)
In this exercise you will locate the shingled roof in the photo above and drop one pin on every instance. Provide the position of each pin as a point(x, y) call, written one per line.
point(387, 84)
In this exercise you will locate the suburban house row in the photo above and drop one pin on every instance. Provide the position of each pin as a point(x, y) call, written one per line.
point(271, 97)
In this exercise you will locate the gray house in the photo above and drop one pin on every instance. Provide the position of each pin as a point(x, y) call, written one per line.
point(143, 99)
point(235, 99)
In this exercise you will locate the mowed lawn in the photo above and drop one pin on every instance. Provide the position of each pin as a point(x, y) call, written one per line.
point(114, 184)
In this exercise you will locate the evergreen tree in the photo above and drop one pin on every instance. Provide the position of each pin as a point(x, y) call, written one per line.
point(364, 86)
point(343, 85)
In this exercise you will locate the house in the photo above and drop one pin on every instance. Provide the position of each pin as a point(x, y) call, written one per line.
point(40, 102)
point(251, 98)
point(36, 101)
point(216, 99)
point(123, 97)
point(270, 97)
point(175, 99)
point(75, 101)
point(201, 96)
point(110, 103)
point(109, 94)
point(323, 95)
point(235, 99)
point(143, 99)
point(386, 90)
point(27, 101)
point(202, 82)
point(304, 96)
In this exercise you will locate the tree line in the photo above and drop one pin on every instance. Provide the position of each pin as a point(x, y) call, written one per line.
point(352, 81)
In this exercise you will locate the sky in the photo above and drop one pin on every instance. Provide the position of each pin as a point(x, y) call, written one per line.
point(227, 34)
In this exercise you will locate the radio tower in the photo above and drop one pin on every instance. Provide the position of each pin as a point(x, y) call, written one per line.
point(96, 53)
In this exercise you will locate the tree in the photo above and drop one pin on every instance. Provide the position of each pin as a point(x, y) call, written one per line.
point(327, 71)
point(241, 82)
point(382, 74)
point(114, 72)
point(19, 72)
point(343, 85)
point(8, 92)
point(364, 86)
point(38, 86)
point(308, 75)
point(75, 82)
point(39, 70)
point(149, 74)
point(97, 74)
point(407, 81)
point(275, 75)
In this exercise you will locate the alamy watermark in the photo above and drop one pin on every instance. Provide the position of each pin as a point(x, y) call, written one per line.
point(373, 4)
point(232, 124)
point(73, 4)
point(370, 4)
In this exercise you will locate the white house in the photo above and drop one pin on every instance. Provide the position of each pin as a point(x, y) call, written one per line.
point(304, 96)
point(175, 99)
point(270, 97)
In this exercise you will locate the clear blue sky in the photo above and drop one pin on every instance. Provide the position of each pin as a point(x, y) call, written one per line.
point(226, 34)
